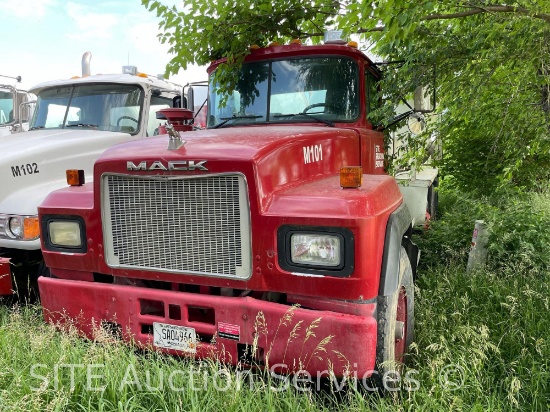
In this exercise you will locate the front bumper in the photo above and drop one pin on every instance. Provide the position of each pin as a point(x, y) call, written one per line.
point(20, 244)
point(288, 339)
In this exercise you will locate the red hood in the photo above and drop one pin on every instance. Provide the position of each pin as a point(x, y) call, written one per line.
point(237, 143)
point(273, 157)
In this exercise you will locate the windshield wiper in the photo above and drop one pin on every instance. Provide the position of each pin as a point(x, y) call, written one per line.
point(327, 122)
point(81, 125)
point(226, 119)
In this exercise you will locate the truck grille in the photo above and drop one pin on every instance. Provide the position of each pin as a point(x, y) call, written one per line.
point(198, 225)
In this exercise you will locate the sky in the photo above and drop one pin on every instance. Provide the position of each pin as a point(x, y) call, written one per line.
point(43, 40)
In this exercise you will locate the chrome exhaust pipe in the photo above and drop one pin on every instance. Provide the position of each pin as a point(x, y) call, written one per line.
point(86, 58)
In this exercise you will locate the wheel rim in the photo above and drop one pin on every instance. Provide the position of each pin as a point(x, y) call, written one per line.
point(401, 325)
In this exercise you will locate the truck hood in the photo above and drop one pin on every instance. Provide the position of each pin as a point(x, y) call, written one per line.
point(33, 163)
point(231, 143)
point(272, 157)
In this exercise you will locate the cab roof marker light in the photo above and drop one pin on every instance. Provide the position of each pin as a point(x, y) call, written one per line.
point(334, 37)
point(296, 41)
point(129, 70)
point(254, 47)
point(274, 43)
point(351, 177)
point(353, 44)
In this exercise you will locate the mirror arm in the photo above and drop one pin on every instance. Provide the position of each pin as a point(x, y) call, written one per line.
point(407, 103)
point(395, 120)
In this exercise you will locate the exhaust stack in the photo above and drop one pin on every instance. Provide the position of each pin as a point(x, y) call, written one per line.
point(86, 58)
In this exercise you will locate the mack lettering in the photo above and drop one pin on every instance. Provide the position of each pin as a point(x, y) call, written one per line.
point(182, 165)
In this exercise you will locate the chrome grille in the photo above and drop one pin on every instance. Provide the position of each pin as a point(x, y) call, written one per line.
point(197, 225)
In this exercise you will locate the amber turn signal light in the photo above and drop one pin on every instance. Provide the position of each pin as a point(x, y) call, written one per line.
point(31, 230)
point(75, 177)
point(351, 176)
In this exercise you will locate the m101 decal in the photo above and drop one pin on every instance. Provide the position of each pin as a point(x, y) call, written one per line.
point(313, 153)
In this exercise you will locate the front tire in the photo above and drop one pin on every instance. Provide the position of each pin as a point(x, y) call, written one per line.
point(43, 270)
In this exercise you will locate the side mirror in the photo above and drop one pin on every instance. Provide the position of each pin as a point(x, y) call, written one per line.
point(179, 102)
point(190, 104)
point(26, 111)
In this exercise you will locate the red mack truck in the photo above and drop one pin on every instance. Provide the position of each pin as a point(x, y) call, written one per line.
point(273, 237)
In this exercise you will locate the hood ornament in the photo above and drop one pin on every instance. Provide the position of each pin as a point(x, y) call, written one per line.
point(175, 138)
point(177, 120)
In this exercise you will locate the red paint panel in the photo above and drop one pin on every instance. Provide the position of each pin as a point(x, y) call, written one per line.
point(5, 277)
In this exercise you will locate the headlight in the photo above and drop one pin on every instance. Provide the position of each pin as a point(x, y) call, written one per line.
point(20, 227)
point(65, 234)
point(324, 251)
point(315, 249)
point(15, 226)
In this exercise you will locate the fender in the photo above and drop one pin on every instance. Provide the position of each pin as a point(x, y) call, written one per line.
point(397, 236)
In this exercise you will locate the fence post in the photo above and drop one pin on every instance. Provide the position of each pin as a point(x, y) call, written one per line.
point(478, 250)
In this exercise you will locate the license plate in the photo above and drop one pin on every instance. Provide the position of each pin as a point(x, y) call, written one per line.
point(174, 337)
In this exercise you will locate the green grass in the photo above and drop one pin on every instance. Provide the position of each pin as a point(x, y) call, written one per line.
point(482, 344)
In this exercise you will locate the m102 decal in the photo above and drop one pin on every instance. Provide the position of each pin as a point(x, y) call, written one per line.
point(24, 170)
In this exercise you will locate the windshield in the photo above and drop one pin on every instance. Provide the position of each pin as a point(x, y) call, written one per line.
point(6, 107)
point(111, 107)
point(297, 90)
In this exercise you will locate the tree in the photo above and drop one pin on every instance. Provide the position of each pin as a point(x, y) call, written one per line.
point(492, 66)
point(493, 83)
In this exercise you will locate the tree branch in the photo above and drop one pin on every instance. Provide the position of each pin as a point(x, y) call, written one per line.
point(471, 12)
point(488, 9)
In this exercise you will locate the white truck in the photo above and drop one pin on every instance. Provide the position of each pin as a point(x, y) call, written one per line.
point(16, 106)
point(74, 121)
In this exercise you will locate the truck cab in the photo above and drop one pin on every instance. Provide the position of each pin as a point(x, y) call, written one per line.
point(75, 120)
point(272, 238)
